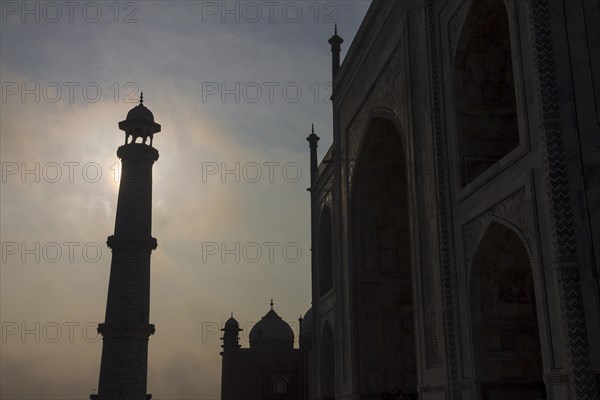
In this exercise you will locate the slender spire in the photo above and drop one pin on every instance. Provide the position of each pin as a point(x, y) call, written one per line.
point(312, 144)
point(271, 304)
point(141, 98)
point(232, 314)
point(312, 138)
point(335, 41)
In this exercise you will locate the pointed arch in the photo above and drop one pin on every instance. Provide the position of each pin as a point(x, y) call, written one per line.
point(483, 229)
point(505, 331)
point(280, 386)
point(381, 275)
point(484, 90)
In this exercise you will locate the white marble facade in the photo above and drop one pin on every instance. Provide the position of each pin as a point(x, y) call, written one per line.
point(458, 211)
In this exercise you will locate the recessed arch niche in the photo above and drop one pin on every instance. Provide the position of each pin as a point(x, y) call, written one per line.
point(505, 329)
point(484, 90)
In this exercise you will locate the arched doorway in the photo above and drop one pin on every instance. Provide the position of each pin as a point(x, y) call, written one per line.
point(506, 339)
point(484, 90)
point(325, 253)
point(382, 281)
point(327, 364)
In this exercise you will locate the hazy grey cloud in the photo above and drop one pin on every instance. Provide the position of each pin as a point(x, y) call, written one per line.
point(169, 54)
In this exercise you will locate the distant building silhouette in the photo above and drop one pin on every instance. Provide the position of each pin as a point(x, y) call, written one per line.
point(271, 369)
point(456, 218)
point(123, 369)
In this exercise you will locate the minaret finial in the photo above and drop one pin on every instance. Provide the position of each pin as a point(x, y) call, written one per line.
point(312, 129)
point(141, 98)
point(232, 314)
point(335, 41)
point(271, 304)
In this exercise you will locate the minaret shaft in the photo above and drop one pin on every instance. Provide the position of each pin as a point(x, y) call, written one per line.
point(125, 332)
point(129, 286)
point(134, 207)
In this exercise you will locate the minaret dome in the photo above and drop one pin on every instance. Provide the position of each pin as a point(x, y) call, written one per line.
point(139, 124)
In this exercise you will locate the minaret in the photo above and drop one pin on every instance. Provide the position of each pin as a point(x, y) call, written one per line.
point(313, 140)
point(313, 144)
point(229, 371)
point(125, 332)
point(335, 41)
point(231, 339)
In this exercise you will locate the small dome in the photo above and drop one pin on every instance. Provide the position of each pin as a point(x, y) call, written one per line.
point(140, 113)
point(271, 330)
point(231, 324)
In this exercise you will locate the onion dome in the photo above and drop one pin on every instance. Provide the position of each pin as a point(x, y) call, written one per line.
point(271, 331)
point(231, 324)
point(335, 40)
point(139, 124)
point(140, 112)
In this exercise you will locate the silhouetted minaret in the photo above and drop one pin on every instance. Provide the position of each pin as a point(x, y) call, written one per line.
point(314, 218)
point(312, 144)
point(125, 332)
point(231, 343)
point(231, 339)
point(335, 41)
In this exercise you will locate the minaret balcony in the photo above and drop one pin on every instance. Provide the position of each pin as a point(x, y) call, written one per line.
point(126, 330)
point(148, 243)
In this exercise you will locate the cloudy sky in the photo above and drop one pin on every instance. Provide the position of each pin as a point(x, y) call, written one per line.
point(235, 86)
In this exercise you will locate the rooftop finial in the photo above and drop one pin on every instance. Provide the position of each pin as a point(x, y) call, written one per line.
point(271, 304)
point(232, 314)
point(141, 98)
point(335, 30)
point(312, 129)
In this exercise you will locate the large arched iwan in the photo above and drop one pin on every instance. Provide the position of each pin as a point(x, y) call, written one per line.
point(382, 280)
